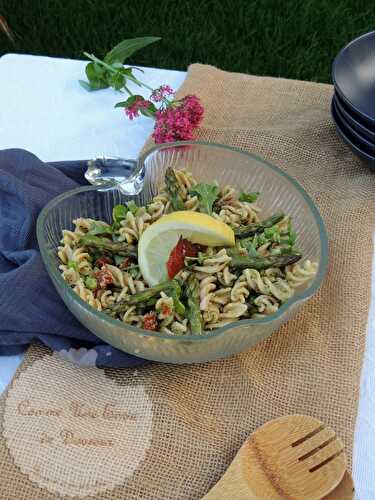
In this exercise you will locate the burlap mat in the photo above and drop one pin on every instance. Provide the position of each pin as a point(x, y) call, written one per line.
point(202, 413)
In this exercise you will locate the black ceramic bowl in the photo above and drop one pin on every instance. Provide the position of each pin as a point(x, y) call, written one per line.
point(353, 75)
point(361, 139)
point(364, 154)
point(365, 130)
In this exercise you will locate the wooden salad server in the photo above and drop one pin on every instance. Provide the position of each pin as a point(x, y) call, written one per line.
point(344, 491)
point(295, 457)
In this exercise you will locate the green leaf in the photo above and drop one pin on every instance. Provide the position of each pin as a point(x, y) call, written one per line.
point(128, 47)
point(178, 305)
point(250, 247)
point(207, 195)
point(85, 85)
point(132, 207)
point(91, 283)
point(118, 65)
point(292, 237)
point(96, 76)
point(99, 70)
point(134, 271)
point(259, 240)
point(149, 112)
point(100, 229)
point(129, 101)
point(249, 197)
point(98, 85)
point(73, 265)
point(117, 81)
point(121, 104)
point(95, 72)
point(119, 213)
point(90, 71)
point(175, 292)
point(273, 233)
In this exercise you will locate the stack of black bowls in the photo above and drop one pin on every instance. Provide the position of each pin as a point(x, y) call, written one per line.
point(353, 103)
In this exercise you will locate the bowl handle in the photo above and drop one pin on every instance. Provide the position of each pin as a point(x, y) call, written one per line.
point(116, 173)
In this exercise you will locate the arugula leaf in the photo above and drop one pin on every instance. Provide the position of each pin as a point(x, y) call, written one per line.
point(249, 197)
point(259, 240)
point(178, 305)
point(100, 229)
point(72, 264)
point(250, 247)
point(134, 271)
point(175, 292)
point(128, 47)
point(272, 233)
point(132, 207)
point(119, 212)
point(207, 195)
point(91, 283)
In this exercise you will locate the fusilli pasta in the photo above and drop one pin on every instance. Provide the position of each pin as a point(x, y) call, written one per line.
point(111, 281)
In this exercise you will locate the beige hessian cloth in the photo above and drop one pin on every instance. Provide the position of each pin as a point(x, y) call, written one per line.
point(202, 413)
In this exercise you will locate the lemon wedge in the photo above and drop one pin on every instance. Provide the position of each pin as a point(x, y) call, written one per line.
point(158, 240)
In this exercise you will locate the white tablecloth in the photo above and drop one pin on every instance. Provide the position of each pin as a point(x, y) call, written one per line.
point(43, 109)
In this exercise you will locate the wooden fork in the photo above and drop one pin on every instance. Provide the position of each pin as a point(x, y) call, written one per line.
point(295, 457)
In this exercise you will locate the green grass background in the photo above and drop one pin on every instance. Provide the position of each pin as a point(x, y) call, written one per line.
point(288, 38)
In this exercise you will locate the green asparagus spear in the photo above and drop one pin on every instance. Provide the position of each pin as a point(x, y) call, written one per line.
point(193, 312)
point(141, 298)
point(106, 245)
point(174, 190)
point(246, 261)
point(251, 229)
point(148, 304)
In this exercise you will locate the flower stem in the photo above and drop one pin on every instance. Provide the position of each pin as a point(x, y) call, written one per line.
point(128, 90)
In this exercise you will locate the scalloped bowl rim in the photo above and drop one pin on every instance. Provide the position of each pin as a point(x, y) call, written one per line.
point(304, 295)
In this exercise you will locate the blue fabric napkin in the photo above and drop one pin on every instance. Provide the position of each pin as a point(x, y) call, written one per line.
point(30, 308)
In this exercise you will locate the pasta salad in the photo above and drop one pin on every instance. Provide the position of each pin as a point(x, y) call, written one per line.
point(197, 257)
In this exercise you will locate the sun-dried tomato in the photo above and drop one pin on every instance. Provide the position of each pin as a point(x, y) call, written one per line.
point(102, 261)
point(176, 261)
point(149, 321)
point(104, 277)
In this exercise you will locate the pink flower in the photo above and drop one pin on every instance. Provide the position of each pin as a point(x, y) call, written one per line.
point(161, 93)
point(132, 111)
point(177, 122)
point(194, 109)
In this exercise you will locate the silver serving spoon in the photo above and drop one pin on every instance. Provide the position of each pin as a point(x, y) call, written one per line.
point(116, 173)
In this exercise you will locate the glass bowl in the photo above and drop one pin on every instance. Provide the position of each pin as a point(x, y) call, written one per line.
point(208, 162)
